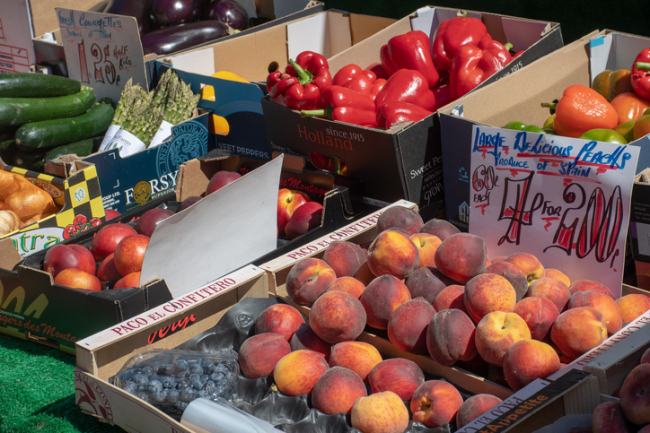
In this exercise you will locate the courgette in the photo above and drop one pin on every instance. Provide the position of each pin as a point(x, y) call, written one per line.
point(31, 85)
point(47, 134)
point(18, 111)
point(28, 160)
point(79, 148)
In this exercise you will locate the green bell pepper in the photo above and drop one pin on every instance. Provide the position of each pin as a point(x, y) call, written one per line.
point(607, 135)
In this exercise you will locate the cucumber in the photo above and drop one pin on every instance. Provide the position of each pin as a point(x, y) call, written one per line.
point(28, 160)
point(31, 85)
point(18, 111)
point(52, 133)
point(79, 148)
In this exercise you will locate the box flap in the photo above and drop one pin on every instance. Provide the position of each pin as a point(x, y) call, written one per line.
point(217, 236)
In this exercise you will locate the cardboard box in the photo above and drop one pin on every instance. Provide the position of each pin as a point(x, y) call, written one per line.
point(101, 355)
point(47, 37)
point(133, 181)
point(639, 232)
point(405, 162)
point(328, 32)
point(79, 200)
point(361, 231)
point(518, 97)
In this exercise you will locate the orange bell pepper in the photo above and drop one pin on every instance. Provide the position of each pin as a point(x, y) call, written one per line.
point(581, 109)
point(629, 106)
point(611, 83)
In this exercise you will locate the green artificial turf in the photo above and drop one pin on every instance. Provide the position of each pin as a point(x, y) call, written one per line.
point(37, 391)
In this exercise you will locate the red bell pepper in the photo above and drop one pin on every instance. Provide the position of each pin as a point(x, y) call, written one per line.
point(411, 50)
point(453, 34)
point(378, 69)
point(365, 85)
point(407, 85)
point(641, 74)
point(474, 64)
point(395, 112)
point(350, 72)
point(317, 65)
point(345, 105)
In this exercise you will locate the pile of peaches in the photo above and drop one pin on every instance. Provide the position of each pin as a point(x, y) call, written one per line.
point(632, 411)
point(434, 292)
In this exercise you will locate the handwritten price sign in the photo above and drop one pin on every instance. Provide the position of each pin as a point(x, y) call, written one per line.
point(102, 51)
point(562, 199)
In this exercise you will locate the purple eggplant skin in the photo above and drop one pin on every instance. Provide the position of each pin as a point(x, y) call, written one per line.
point(133, 8)
point(165, 13)
point(175, 38)
point(228, 11)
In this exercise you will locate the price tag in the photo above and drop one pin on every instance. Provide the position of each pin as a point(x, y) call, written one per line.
point(16, 48)
point(102, 51)
point(564, 200)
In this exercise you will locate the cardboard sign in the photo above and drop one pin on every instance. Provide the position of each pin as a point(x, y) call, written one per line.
point(102, 51)
point(16, 49)
point(564, 200)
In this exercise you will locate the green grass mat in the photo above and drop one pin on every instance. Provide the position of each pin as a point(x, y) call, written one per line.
point(37, 391)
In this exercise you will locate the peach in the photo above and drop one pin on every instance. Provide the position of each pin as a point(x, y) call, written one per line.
point(337, 316)
point(452, 296)
point(111, 214)
point(189, 201)
point(107, 270)
point(364, 274)
point(435, 403)
point(528, 263)
point(513, 274)
point(539, 314)
point(578, 330)
point(552, 289)
point(297, 372)
point(601, 302)
point(558, 275)
point(496, 333)
point(60, 257)
point(282, 319)
point(383, 412)
point(608, 417)
point(486, 293)
point(407, 326)
point(450, 337)
point(439, 227)
point(474, 407)
point(129, 254)
point(400, 375)
point(304, 219)
point(426, 282)
point(461, 256)
point(427, 246)
point(585, 285)
point(308, 279)
point(381, 297)
point(147, 222)
point(259, 354)
point(288, 201)
point(344, 257)
point(220, 179)
point(633, 306)
point(645, 357)
point(527, 360)
point(357, 356)
point(337, 390)
point(635, 395)
point(129, 280)
point(305, 338)
point(107, 237)
point(400, 217)
point(78, 279)
point(348, 285)
point(393, 253)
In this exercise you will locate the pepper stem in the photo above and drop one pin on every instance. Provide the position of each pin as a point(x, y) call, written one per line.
point(508, 46)
point(304, 77)
point(323, 112)
point(644, 66)
point(461, 13)
point(551, 105)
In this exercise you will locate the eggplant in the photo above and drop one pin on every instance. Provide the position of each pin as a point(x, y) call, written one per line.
point(132, 8)
point(228, 11)
point(165, 13)
point(175, 38)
